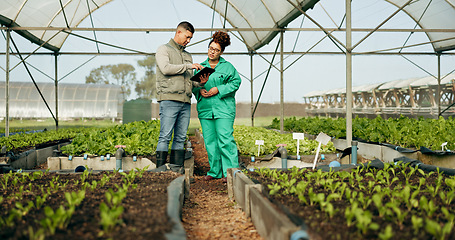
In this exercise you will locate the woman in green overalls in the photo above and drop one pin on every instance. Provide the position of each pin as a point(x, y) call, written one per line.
point(216, 109)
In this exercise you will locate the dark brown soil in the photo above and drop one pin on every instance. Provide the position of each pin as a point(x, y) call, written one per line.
point(323, 227)
point(144, 215)
point(209, 213)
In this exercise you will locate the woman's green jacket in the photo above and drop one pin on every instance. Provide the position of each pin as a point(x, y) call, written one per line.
point(222, 105)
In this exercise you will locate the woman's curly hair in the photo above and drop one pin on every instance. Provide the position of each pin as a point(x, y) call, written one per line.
point(221, 38)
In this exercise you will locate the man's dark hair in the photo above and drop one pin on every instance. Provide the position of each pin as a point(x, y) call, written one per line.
point(187, 26)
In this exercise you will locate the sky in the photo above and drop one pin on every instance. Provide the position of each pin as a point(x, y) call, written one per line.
point(310, 73)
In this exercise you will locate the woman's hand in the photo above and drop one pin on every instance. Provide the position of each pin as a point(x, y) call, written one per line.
point(204, 78)
point(204, 93)
point(210, 93)
point(213, 91)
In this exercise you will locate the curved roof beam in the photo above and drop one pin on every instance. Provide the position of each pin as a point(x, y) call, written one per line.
point(243, 16)
point(40, 37)
point(294, 12)
point(227, 19)
point(26, 34)
point(410, 15)
point(23, 11)
point(20, 10)
point(383, 22)
point(333, 38)
point(268, 10)
point(420, 21)
point(85, 16)
point(274, 14)
point(451, 2)
point(55, 16)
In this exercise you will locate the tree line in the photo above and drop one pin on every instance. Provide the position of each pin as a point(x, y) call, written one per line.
point(124, 75)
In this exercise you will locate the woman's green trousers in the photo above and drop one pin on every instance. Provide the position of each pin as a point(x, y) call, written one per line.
point(220, 145)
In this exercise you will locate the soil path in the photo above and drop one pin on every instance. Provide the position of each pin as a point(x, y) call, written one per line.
point(208, 213)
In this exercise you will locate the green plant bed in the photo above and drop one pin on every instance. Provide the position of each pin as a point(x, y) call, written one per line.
point(402, 131)
point(22, 142)
point(85, 206)
point(397, 202)
point(246, 137)
point(140, 139)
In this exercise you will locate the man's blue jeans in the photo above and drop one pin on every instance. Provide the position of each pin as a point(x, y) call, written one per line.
point(174, 118)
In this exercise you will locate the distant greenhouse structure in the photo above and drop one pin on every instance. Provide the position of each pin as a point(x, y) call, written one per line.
point(74, 100)
point(409, 97)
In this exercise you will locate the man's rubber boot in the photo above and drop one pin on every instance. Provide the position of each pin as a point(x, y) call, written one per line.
point(177, 157)
point(161, 157)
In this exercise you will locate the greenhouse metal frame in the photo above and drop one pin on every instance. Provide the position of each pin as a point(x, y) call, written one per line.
point(410, 97)
point(254, 29)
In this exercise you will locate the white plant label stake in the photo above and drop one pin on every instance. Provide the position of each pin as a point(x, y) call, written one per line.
point(322, 138)
point(259, 143)
point(298, 136)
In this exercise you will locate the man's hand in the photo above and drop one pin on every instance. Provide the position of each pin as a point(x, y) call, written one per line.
point(197, 66)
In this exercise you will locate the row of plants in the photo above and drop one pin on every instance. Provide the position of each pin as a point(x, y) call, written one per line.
point(15, 131)
point(43, 201)
point(140, 138)
point(396, 202)
point(23, 141)
point(402, 131)
point(246, 137)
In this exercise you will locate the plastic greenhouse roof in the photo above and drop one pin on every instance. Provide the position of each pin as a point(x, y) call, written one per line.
point(314, 94)
point(335, 91)
point(433, 14)
point(418, 82)
point(366, 88)
point(46, 13)
point(440, 14)
point(357, 89)
point(400, 83)
point(431, 81)
point(259, 14)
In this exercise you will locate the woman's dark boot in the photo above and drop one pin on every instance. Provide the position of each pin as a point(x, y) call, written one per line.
point(161, 157)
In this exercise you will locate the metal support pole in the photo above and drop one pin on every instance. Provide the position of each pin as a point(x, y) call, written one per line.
point(251, 94)
point(348, 73)
point(8, 36)
point(439, 84)
point(354, 152)
point(56, 90)
point(281, 83)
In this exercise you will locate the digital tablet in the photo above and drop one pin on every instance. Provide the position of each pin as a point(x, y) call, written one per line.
point(202, 72)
